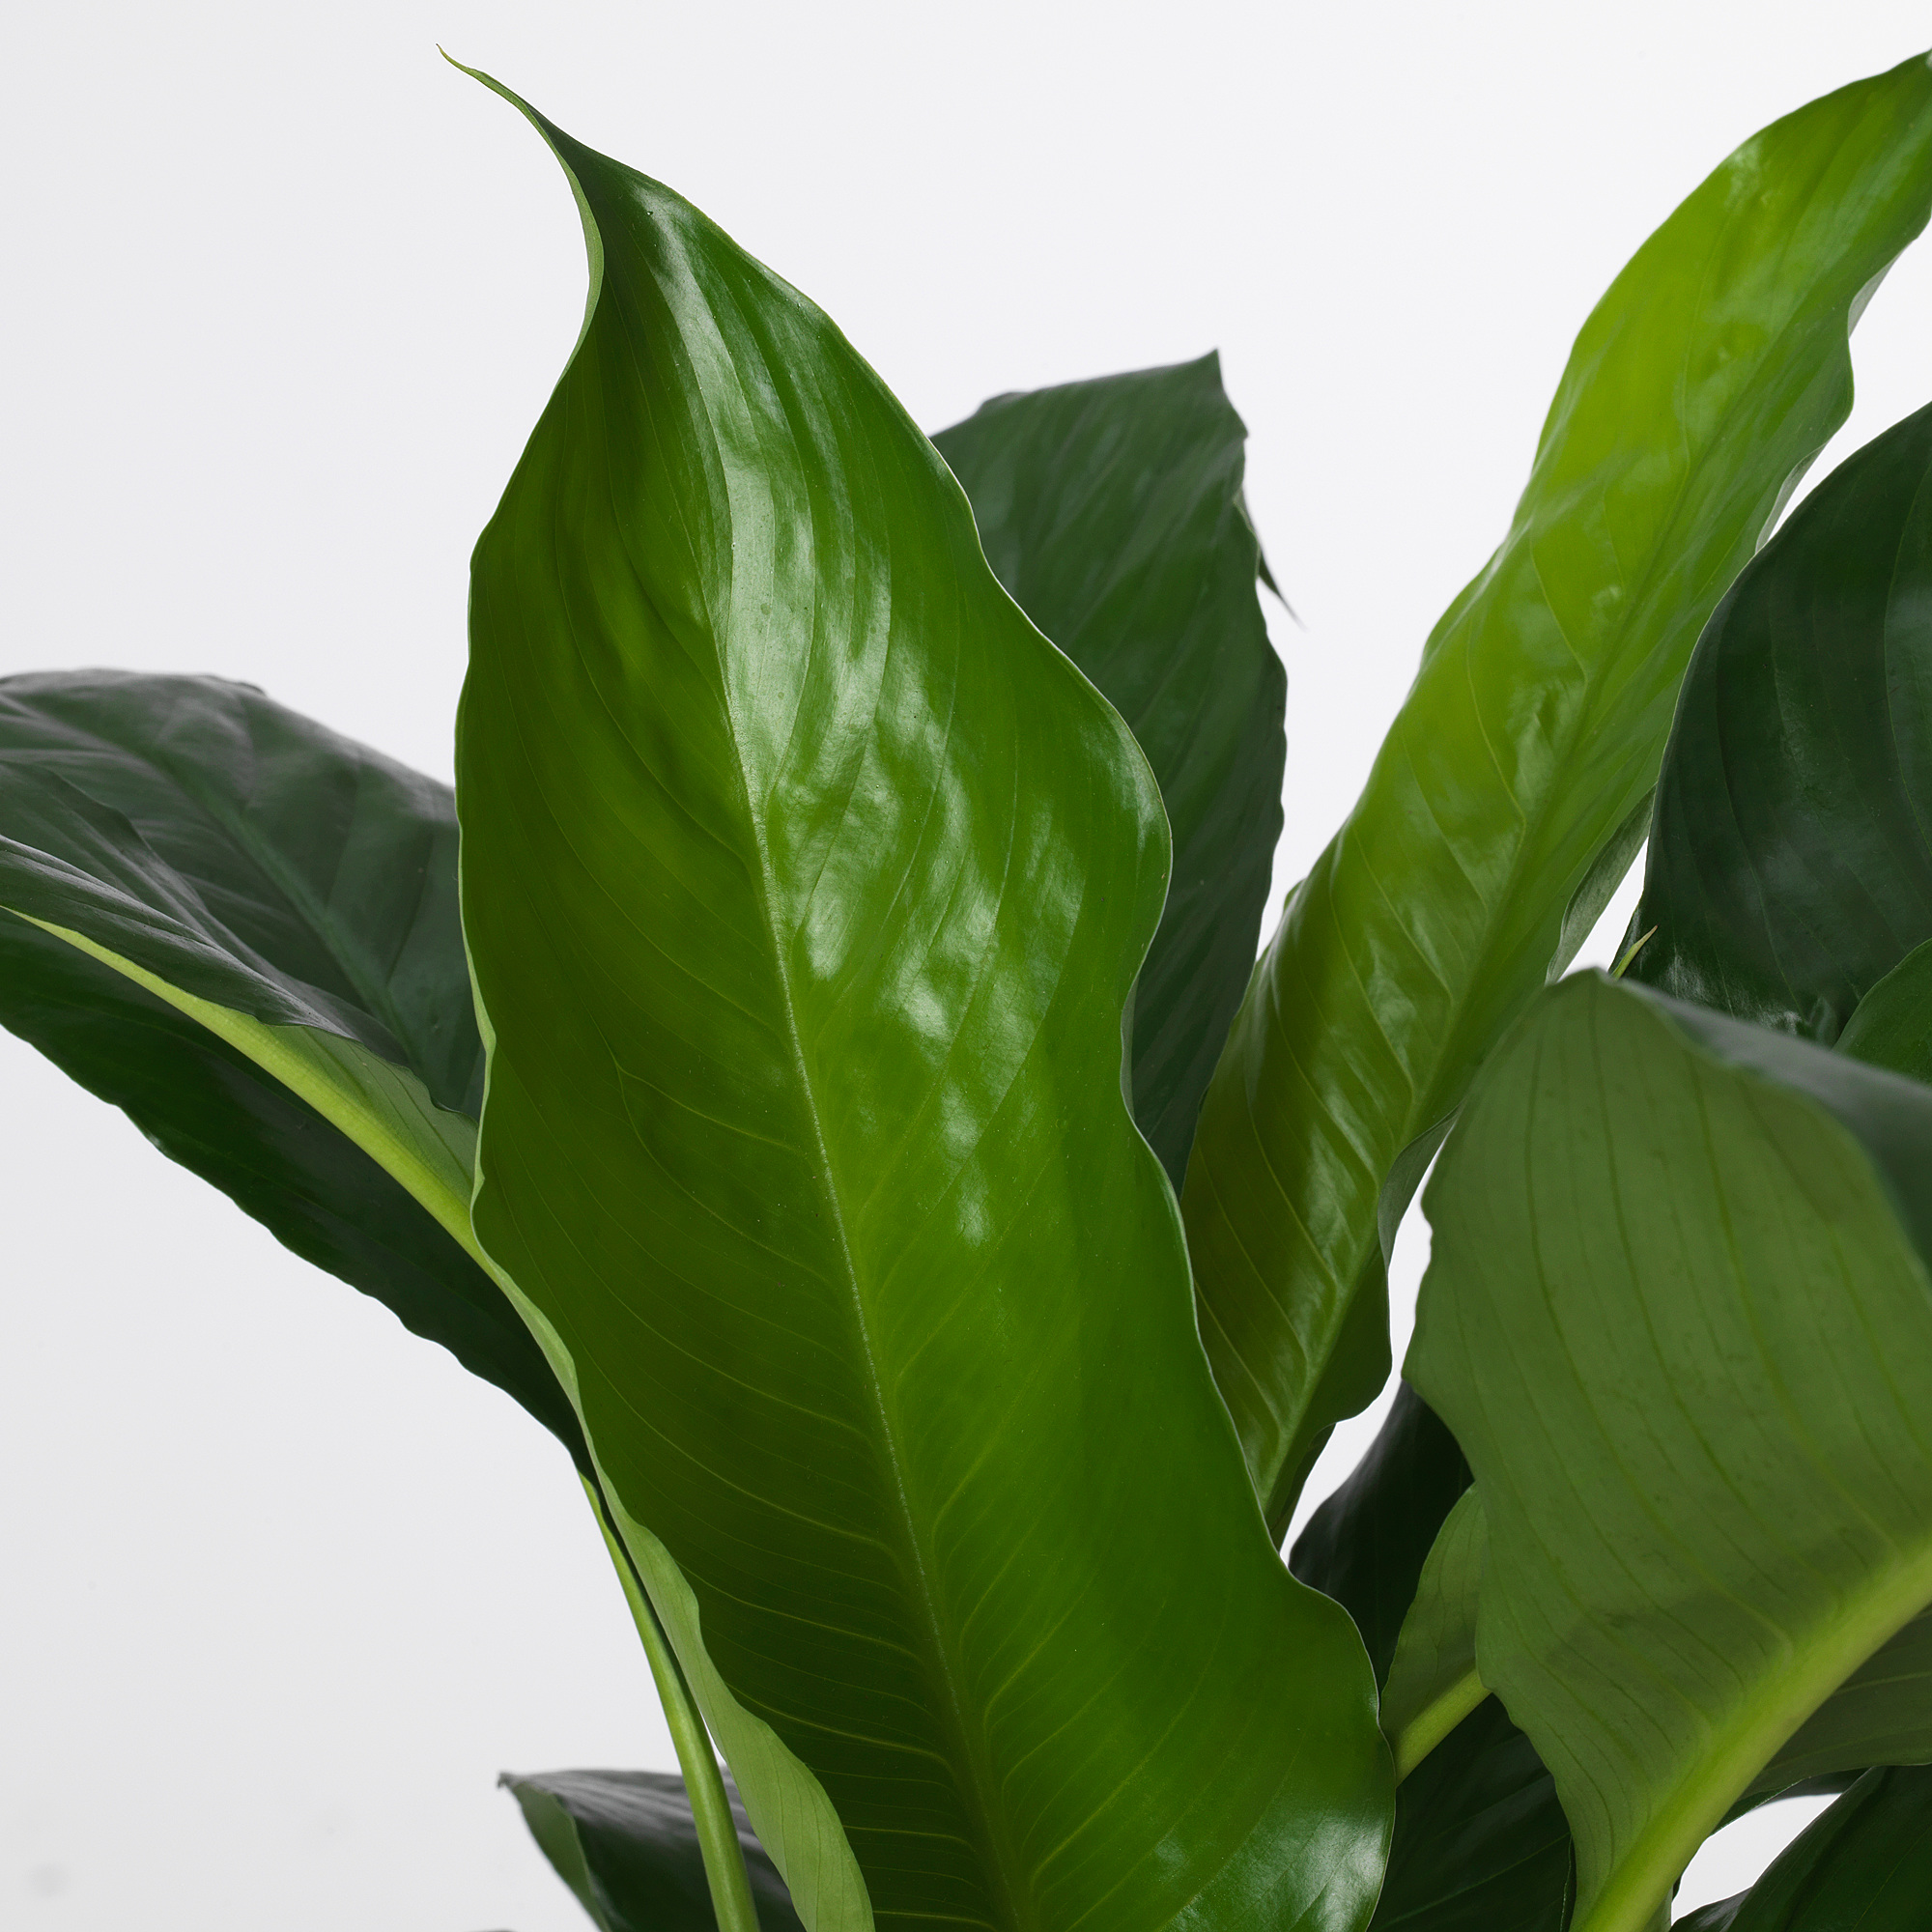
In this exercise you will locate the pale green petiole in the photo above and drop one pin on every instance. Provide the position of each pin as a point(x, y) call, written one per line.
point(703, 1782)
point(1434, 1721)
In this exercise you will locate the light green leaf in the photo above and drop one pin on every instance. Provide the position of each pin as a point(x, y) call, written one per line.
point(1708, 376)
point(804, 885)
point(1434, 1683)
point(1112, 511)
point(1679, 1318)
point(1882, 1713)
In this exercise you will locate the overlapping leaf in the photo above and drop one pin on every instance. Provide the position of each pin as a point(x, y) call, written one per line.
point(624, 1844)
point(1366, 1545)
point(1710, 374)
point(804, 885)
point(1862, 1866)
point(1679, 1318)
point(1790, 864)
point(1112, 511)
point(1479, 1844)
point(273, 913)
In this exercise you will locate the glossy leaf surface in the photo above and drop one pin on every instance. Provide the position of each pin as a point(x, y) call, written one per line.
point(1678, 1316)
point(1790, 864)
point(1708, 375)
point(242, 852)
point(625, 1844)
point(1862, 1866)
point(804, 884)
point(1112, 511)
point(1366, 1545)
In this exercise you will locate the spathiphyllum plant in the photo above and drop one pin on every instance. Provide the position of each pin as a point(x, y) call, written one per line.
point(817, 1065)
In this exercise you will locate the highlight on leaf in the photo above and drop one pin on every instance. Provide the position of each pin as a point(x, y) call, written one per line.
point(815, 1062)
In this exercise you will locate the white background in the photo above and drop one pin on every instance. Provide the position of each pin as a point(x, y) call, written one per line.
point(280, 1588)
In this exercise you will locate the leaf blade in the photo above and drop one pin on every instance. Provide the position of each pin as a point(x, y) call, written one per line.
point(1111, 512)
point(1725, 1247)
point(1790, 860)
point(1535, 726)
point(242, 929)
point(646, 639)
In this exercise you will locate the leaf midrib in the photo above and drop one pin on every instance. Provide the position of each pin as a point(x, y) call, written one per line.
point(996, 1854)
point(1752, 1738)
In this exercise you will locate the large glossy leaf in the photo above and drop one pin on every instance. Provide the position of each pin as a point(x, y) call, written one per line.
point(1790, 860)
point(625, 1844)
point(1679, 1318)
point(1112, 511)
point(262, 867)
point(804, 884)
point(1863, 1866)
point(1708, 375)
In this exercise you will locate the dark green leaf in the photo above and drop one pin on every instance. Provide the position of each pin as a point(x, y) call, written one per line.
point(1679, 1318)
point(1708, 376)
point(1112, 511)
point(1366, 1545)
point(262, 862)
point(1481, 1844)
point(804, 886)
point(1790, 860)
point(625, 1844)
point(282, 872)
point(1862, 1866)
point(1891, 1026)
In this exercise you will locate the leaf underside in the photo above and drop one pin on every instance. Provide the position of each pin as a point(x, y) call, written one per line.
point(1675, 1314)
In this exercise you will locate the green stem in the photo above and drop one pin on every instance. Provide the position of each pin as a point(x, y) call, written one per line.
point(1434, 1721)
point(703, 1782)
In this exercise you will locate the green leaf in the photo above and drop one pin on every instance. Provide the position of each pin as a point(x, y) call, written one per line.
point(251, 867)
point(1891, 1026)
point(1708, 376)
point(1863, 1864)
point(1481, 1844)
point(1790, 861)
point(1366, 1545)
point(1882, 1713)
point(624, 1844)
point(1679, 1318)
point(1112, 511)
point(1433, 1683)
point(804, 884)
